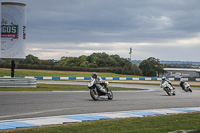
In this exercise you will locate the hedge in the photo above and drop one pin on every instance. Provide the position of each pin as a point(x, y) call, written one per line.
point(117, 70)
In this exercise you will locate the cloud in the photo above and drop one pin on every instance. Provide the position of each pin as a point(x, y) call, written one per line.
point(113, 26)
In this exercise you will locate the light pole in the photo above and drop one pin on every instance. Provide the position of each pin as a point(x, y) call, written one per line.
point(130, 53)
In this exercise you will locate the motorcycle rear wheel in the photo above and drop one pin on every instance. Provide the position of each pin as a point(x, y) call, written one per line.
point(94, 94)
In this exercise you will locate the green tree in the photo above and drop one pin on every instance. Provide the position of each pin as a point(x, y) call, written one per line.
point(47, 62)
point(82, 61)
point(115, 62)
point(84, 64)
point(131, 69)
point(30, 59)
point(128, 69)
point(151, 67)
point(62, 60)
point(136, 70)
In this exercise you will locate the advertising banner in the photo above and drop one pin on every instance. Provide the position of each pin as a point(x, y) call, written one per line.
point(13, 31)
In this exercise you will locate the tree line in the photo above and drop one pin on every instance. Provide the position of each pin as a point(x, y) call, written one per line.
point(100, 62)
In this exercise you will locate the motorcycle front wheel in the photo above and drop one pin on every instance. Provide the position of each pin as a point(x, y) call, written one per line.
point(94, 94)
point(168, 91)
point(110, 94)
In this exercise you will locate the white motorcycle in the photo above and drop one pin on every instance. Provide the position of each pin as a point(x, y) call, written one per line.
point(95, 93)
point(167, 88)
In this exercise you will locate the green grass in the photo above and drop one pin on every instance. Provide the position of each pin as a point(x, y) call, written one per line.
point(49, 73)
point(56, 87)
point(157, 124)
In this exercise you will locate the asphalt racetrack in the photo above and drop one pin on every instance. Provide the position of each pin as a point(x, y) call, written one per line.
point(19, 105)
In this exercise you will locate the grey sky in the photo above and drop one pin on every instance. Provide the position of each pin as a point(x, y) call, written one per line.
point(168, 30)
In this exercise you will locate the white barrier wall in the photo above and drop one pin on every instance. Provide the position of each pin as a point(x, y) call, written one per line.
point(108, 78)
point(18, 82)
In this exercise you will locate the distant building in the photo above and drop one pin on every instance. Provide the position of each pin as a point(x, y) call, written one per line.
point(181, 72)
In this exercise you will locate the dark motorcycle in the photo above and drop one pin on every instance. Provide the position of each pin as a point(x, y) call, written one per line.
point(95, 93)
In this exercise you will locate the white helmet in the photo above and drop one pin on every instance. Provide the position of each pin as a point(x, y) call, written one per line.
point(94, 75)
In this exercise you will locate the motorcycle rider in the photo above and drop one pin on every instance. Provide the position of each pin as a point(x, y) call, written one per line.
point(98, 81)
point(168, 81)
point(182, 84)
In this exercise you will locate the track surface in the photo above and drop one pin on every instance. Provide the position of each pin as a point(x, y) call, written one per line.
point(17, 105)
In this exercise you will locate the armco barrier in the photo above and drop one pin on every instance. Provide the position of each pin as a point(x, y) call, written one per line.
point(18, 82)
point(108, 78)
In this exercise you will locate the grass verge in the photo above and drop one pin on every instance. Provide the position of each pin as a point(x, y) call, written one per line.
point(57, 87)
point(157, 124)
point(51, 73)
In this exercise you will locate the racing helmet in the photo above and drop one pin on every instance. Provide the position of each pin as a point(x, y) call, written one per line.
point(181, 81)
point(94, 75)
point(164, 78)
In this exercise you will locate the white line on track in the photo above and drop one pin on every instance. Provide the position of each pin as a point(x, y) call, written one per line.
point(38, 112)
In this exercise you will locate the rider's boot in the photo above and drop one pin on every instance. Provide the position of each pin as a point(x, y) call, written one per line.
point(173, 91)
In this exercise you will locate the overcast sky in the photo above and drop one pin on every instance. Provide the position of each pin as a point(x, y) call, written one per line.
point(164, 29)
